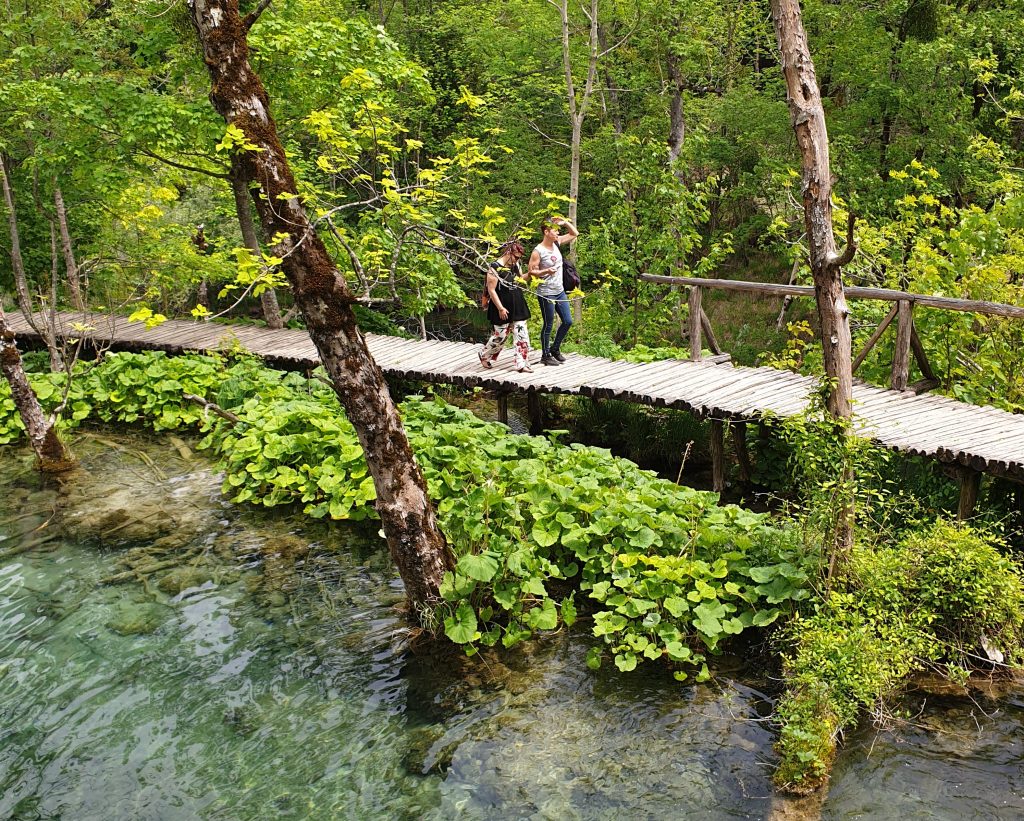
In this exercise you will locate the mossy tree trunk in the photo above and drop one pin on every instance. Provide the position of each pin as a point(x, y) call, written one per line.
point(322, 295)
point(46, 330)
point(68, 249)
point(52, 453)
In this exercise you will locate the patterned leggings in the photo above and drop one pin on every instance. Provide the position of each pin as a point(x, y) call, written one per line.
point(497, 342)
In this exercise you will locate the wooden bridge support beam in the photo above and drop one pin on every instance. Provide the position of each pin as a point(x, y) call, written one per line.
point(739, 443)
point(534, 410)
point(717, 455)
point(705, 325)
point(970, 484)
point(700, 327)
point(875, 337)
point(502, 399)
point(930, 379)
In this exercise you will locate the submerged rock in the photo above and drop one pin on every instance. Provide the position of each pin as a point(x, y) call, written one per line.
point(132, 618)
point(183, 578)
point(244, 720)
point(122, 495)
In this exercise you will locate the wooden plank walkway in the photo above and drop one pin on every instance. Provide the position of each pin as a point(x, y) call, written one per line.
point(981, 438)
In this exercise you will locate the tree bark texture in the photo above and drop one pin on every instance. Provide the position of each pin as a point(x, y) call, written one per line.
point(243, 210)
point(416, 544)
point(578, 103)
point(53, 455)
point(17, 261)
point(808, 118)
point(676, 116)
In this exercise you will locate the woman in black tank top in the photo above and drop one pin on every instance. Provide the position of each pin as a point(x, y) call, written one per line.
point(507, 309)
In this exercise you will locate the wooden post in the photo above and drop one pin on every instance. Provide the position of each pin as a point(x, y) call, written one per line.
point(695, 324)
point(901, 353)
point(970, 483)
point(533, 408)
point(717, 455)
point(502, 398)
point(739, 442)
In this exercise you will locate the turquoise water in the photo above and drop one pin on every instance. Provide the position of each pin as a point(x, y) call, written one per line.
point(263, 670)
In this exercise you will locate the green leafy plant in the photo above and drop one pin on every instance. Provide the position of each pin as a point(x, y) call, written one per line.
point(935, 600)
point(543, 532)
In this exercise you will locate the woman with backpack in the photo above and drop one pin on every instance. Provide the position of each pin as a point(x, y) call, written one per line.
point(546, 265)
point(506, 308)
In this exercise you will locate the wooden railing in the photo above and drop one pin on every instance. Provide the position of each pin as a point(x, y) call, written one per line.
point(907, 340)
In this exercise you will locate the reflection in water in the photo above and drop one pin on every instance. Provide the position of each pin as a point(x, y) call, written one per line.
point(258, 667)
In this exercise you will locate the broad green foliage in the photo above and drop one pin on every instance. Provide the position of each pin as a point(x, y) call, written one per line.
point(661, 564)
point(935, 598)
point(539, 529)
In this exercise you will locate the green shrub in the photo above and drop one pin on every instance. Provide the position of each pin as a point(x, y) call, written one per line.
point(929, 601)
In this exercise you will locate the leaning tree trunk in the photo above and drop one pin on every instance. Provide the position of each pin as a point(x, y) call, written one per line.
point(809, 124)
point(826, 263)
point(53, 455)
point(410, 526)
point(74, 281)
point(240, 190)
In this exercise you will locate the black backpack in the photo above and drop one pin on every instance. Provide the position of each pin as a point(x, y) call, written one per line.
point(570, 277)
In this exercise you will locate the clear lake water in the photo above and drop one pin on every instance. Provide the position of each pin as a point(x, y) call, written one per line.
point(166, 655)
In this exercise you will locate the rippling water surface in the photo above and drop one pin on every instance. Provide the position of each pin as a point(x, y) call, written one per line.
point(256, 666)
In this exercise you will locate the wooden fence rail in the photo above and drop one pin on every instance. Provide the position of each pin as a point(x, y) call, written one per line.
point(976, 306)
point(907, 340)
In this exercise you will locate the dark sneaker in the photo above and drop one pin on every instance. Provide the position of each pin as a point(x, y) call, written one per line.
point(549, 360)
point(558, 355)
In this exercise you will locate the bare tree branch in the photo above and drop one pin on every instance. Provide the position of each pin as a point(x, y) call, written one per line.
point(254, 15)
point(851, 245)
point(547, 137)
point(211, 407)
point(222, 175)
point(357, 265)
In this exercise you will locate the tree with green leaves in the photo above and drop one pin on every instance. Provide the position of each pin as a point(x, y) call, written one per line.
point(325, 300)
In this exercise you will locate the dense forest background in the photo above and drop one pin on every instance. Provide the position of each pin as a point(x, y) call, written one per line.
point(424, 132)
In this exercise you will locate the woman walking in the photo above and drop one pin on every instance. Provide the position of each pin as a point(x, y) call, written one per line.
point(546, 265)
point(507, 309)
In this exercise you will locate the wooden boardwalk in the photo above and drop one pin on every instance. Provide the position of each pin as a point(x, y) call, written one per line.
point(975, 438)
